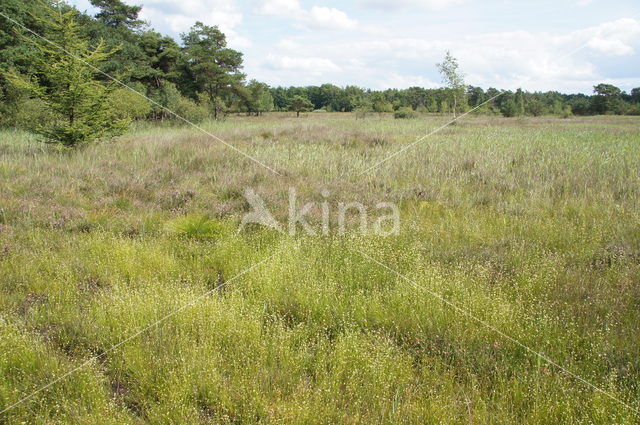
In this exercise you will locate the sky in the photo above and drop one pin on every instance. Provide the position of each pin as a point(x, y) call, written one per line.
point(563, 45)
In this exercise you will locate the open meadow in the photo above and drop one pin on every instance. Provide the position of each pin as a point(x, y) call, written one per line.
point(519, 244)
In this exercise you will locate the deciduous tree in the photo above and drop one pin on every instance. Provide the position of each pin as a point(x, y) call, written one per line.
point(300, 104)
point(453, 77)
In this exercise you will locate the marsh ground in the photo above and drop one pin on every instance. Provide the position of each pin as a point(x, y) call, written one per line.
point(530, 225)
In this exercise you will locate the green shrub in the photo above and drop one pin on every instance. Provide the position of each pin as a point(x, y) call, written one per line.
point(166, 95)
point(189, 110)
point(31, 111)
point(634, 110)
point(128, 104)
point(383, 107)
point(405, 113)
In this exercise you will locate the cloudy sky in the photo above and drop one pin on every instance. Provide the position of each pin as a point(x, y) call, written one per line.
point(564, 45)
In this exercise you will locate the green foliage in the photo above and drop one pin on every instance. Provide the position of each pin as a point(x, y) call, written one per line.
point(129, 104)
point(509, 108)
point(634, 110)
point(117, 14)
point(519, 101)
point(190, 110)
point(432, 105)
point(259, 98)
point(607, 99)
point(381, 106)
point(65, 81)
point(534, 107)
point(195, 226)
point(212, 67)
point(405, 113)
point(31, 111)
point(165, 96)
point(453, 77)
point(300, 104)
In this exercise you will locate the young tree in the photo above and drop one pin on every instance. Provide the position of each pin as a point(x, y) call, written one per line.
point(535, 107)
point(259, 97)
point(300, 104)
point(64, 79)
point(454, 79)
point(509, 108)
point(213, 68)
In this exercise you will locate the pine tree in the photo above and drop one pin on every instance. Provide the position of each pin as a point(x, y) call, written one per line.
point(211, 67)
point(64, 79)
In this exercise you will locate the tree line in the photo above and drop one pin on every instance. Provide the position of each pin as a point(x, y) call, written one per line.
point(607, 99)
point(67, 88)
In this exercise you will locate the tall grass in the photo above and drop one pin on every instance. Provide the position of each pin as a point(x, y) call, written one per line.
point(531, 225)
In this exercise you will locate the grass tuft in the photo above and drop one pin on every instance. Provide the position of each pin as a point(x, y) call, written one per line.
point(195, 226)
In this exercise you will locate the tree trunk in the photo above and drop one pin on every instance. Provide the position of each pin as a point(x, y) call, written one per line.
point(298, 114)
point(455, 105)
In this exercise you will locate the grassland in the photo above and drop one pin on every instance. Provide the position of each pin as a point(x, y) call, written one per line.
point(530, 225)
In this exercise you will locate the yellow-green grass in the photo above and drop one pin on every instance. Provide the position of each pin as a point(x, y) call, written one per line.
point(530, 225)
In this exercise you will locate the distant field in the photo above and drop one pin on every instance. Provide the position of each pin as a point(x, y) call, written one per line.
point(530, 225)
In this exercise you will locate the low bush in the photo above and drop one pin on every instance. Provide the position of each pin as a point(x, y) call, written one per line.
point(189, 110)
point(405, 113)
point(128, 104)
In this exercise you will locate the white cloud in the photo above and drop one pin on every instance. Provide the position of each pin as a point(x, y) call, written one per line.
point(318, 17)
point(288, 44)
point(175, 17)
point(532, 60)
point(405, 4)
point(610, 46)
point(379, 51)
point(395, 80)
point(314, 65)
point(612, 38)
point(182, 14)
point(285, 8)
point(330, 18)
